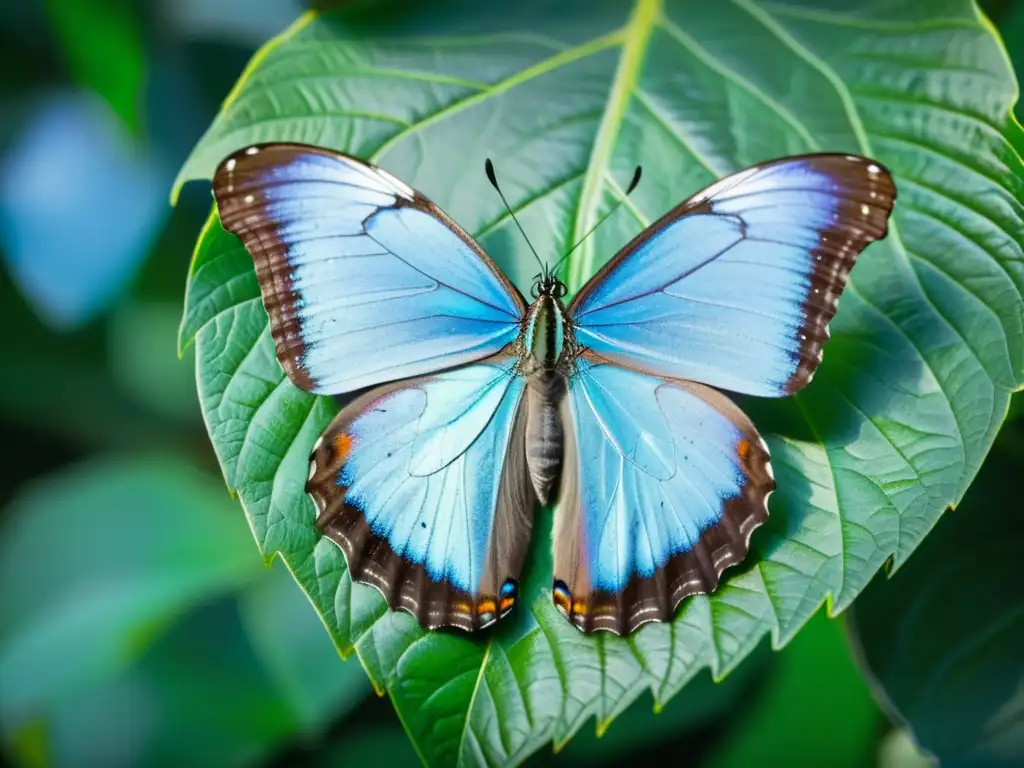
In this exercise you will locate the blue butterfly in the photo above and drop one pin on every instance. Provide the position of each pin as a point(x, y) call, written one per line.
point(481, 405)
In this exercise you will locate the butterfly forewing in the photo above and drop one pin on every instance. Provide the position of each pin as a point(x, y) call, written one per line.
point(735, 287)
point(365, 281)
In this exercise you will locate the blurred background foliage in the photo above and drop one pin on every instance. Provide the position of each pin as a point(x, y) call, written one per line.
point(138, 625)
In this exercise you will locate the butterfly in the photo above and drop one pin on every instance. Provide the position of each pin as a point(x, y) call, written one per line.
point(479, 404)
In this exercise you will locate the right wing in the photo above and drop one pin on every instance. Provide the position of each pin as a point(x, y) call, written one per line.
point(364, 279)
point(735, 287)
point(423, 484)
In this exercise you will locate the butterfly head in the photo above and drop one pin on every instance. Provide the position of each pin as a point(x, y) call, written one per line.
point(546, 284)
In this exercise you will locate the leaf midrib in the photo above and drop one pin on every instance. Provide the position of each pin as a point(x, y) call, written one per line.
point(638, 30)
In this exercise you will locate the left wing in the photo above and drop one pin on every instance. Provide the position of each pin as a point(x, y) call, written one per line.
point(424, 486)
point(663, 483)
point(364, 279)
point(735, 287)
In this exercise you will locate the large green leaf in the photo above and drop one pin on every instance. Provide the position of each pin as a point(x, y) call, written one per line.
point(956, 676)
point(290, 641)
point(786, 723)
point(927, 346)
point(97, 558)
point(198, 695)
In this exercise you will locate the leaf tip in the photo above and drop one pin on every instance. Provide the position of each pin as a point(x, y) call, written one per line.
point(176, 186)
point(185, 336)
point(186, 173)
point(304, 20)
point(183, 345)
point(832, 610)
point(188, 329)
point(889, 566)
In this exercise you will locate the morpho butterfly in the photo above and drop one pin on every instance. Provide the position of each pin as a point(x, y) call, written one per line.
point(480, 405)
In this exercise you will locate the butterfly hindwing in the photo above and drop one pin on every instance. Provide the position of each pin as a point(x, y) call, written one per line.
point(735, 287)
point(662, 485)
point(364, 279)
point(423, 484)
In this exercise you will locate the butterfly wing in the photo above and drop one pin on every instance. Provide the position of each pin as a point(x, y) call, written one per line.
point(423, 484)
point(364, 279)
point(736, 286)
point(663, 483)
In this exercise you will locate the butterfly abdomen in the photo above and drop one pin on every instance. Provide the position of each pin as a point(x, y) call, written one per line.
point(544, 438)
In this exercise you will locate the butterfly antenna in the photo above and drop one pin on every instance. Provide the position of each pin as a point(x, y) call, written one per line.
point(489, 170)
point(632, 185)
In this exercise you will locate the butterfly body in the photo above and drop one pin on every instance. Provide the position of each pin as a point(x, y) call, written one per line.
point(547, 358)
point(479, 405)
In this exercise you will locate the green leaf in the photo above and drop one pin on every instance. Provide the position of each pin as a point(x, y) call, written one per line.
point(926, 348)
point(94, 560)
point(141, 340)
point(197, 696)
point(942, 639)
point(103, 45)
point(700, 705)
point(63, 386)
point(291, 642)
point(898, 750)
point(787, 722)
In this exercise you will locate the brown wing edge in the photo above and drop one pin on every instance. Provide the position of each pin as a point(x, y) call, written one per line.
point(235, 180)
point(695, 571)
point(405, 585)
point(237, 190)
point(837, 253)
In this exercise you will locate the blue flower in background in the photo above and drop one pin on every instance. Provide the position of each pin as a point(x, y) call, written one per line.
point(80, 205)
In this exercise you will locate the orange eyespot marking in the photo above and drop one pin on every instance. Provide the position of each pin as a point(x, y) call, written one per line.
point(462, 607)
point(579, 607)
point(342, 445)
point(486, 606)
point(561, 596)
point(507, 603)
point(743, 448)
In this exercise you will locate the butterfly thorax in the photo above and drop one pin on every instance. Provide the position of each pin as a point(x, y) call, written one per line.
point(546, 359)
point(544, 336)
